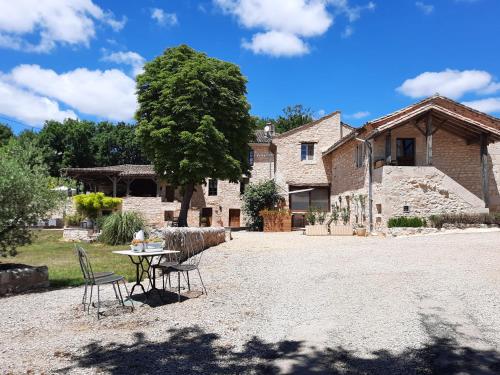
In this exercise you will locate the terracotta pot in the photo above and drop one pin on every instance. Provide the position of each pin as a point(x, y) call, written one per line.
point(361, 232)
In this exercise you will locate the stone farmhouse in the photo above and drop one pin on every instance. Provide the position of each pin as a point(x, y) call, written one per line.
point(432, 157)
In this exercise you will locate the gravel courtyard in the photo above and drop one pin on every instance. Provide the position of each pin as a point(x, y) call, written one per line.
point(285, 303)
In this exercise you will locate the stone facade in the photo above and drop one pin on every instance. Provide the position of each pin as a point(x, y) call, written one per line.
point(452, 183)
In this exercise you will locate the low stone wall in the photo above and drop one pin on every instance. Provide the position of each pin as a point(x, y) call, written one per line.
point(20, 278)
point(399, 231)
point(77, 234)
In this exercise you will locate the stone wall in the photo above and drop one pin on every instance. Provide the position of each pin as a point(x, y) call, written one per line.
point(263, 167)
point(425, 190)
point(22, 278)
point(494, 151)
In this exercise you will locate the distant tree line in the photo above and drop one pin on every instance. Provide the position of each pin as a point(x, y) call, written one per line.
point(81, 143)
point(291, 118)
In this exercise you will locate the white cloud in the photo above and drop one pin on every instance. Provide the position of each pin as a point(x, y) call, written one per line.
point(133, 59)
point(53, 21)
point(106, 94)
point(29, 107)
point(276, 44)
point(286, 23)
point(425, 8)
point(358, 115)
point(348, 31)
point(451, 83)
point(163, 18)
point(488, 105)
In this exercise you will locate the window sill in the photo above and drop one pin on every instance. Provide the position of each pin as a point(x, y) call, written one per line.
point(308, 162)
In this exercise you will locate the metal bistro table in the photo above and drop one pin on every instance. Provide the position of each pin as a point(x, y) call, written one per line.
point(142, 261)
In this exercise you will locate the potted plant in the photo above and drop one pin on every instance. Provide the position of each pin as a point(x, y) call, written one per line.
point(343, 228)
point(316, 223)
point(361, 230)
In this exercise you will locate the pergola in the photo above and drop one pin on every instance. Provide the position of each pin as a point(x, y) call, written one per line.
point(126, 174)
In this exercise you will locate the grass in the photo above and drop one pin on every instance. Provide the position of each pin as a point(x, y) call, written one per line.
point(50, 250)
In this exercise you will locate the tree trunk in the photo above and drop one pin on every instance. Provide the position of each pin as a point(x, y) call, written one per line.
point(186, 199)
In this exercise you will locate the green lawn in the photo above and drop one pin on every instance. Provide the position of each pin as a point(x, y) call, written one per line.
point(50, 250)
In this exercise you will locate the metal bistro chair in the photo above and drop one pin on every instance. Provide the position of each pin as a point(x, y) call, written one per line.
point(191, 246)
point(98, 279)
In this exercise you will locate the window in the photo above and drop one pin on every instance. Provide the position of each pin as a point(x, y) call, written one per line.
point(359, 156)
point(317, 198)
point(307, 151)
point(212, 187)
point(251, 157)
point(168, 215)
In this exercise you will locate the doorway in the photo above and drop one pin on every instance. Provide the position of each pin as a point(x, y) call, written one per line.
point(405, 151)
point(206, 217)
point(234, 218)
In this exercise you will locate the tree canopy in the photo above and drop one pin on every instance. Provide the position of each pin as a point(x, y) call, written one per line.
point(5, 134)
point(193, 119)
point(292, 117)
point(81, 143)
point(25, 194)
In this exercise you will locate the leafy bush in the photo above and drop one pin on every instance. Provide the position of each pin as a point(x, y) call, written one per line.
point(259, 197)
point(464, 219)
point(345, 214)
point(119, 228)
point(91, 204)
point(73, 220)
point(335, 213)
point(321, 216)
point(310, 216)
point(406, 222)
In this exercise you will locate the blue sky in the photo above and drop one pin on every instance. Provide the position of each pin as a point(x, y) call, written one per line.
point(78, 58)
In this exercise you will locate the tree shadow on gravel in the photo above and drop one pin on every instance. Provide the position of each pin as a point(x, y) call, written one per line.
point(194, 351)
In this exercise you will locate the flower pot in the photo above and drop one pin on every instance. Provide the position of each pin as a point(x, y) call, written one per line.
point(341, 230)
point(361, 232)
point(317, 230)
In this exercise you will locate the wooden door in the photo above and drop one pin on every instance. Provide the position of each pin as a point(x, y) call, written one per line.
point(234, 218)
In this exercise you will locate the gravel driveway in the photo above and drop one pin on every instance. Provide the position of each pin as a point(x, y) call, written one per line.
point(285, 303)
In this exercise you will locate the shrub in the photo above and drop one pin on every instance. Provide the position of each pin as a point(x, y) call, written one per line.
point(73, 220)
point(310, 216)
point(406, 222)
point(91, 204)
point(464, 219)
point(345, 214)
point(335, 213)
point(259, 197)
point(321, 217)
point(119, 228)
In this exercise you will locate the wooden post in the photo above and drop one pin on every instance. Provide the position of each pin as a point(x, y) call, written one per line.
point(428, 136)
point(484, 169)
point(128, 182)
point(114, 186)
point(388, 148)
point(157, 187)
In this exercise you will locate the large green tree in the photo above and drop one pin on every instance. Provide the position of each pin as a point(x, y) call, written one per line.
point(25, 194)
point(5, 134)
point(193, 119)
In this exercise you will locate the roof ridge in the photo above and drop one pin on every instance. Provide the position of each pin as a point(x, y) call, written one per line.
point(311, 123)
